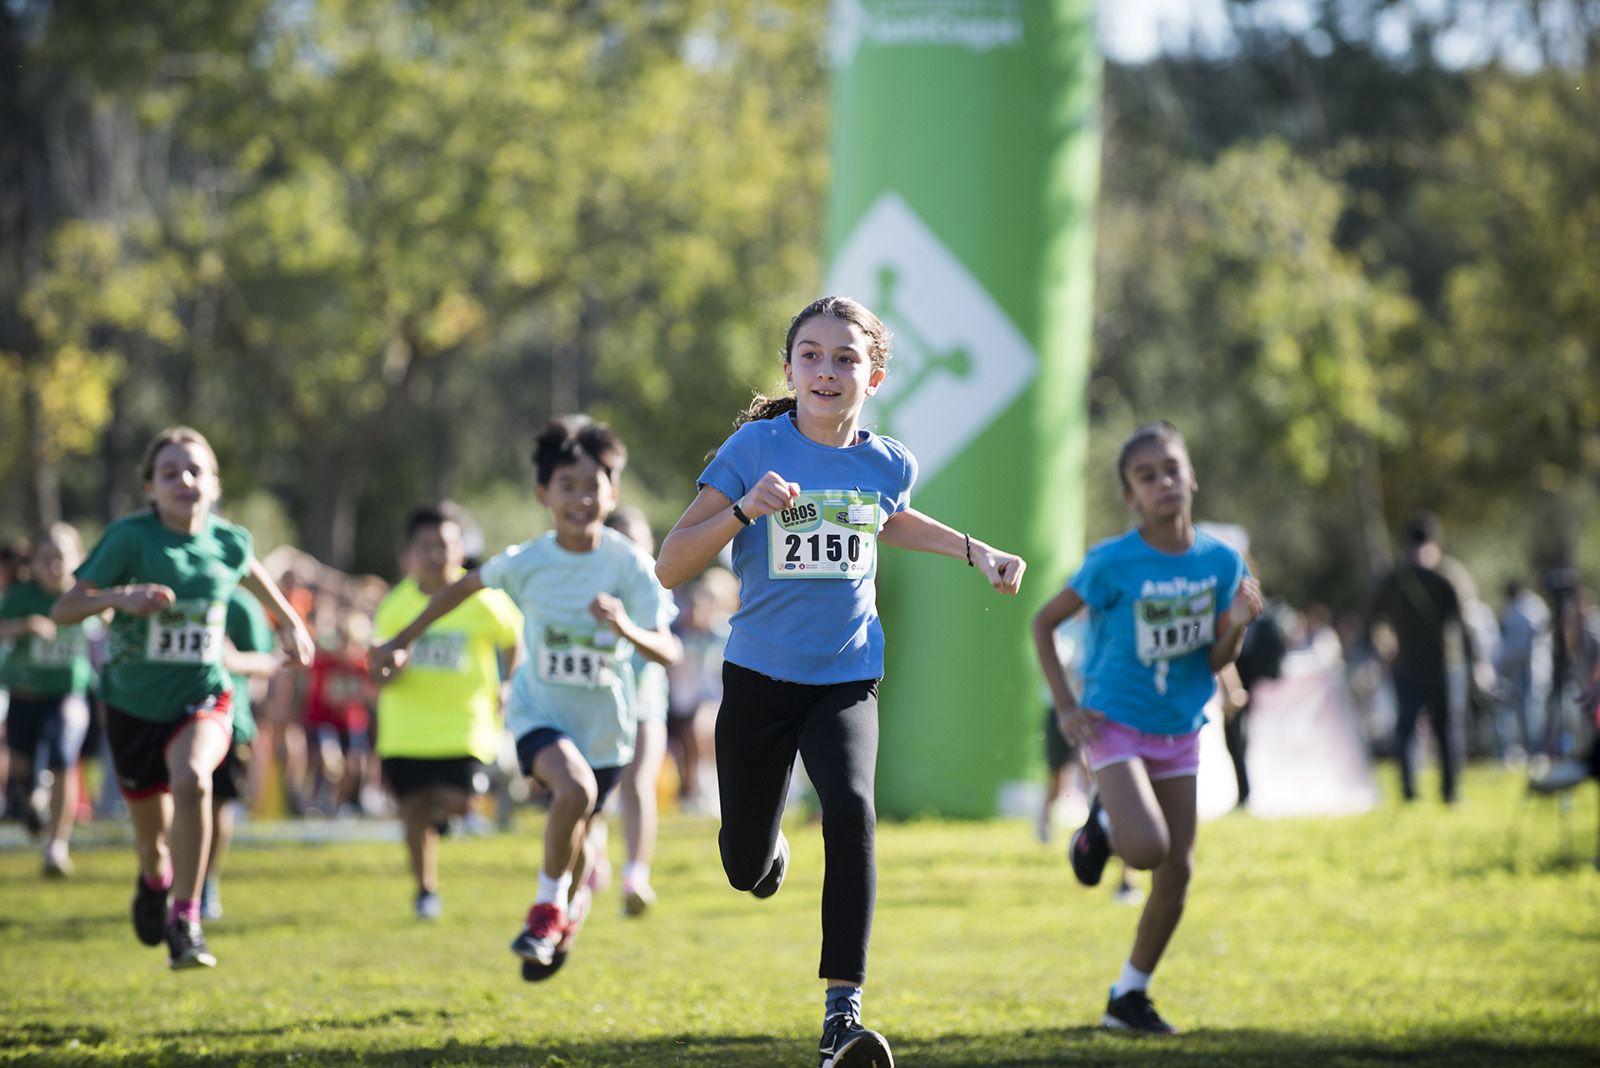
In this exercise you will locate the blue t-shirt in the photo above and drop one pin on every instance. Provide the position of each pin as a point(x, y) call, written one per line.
point(808, 607)
point(578, 677)
point(1152, 622)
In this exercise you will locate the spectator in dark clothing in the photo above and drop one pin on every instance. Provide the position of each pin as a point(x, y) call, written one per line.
point(1420, 604)
point(1260, 657)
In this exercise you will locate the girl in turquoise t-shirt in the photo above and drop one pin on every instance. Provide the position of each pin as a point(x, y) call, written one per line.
point(806, 496)
point(1168, 607)
point(167, 573)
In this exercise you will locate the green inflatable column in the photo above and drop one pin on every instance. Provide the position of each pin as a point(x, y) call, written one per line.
point(965, 155)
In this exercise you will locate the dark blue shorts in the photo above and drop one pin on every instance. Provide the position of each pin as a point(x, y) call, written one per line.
point(533, 743)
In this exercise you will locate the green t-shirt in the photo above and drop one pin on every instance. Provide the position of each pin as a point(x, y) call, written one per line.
point(250, 632)
point(35, 666)
point(163, 664)
point(443, 704)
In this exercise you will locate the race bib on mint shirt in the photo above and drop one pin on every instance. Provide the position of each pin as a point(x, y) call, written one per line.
point(824, 534)
point(1170, 627)
point(568, 657)
point(187, 632)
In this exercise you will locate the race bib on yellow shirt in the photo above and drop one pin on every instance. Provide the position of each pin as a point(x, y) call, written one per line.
point(438, 652)
point(187, 632)
point(824, 534)
point(1169, 627)
point(570, 658)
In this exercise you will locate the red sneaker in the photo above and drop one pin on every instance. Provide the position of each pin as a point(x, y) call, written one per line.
point(547, 925)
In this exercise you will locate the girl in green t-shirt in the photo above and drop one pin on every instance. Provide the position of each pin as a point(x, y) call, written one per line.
point(167, 573)
point(48, 675)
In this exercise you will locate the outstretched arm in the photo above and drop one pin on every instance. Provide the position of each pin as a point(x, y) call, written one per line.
point(912, 530)
point(297, 642)
point(390, 657)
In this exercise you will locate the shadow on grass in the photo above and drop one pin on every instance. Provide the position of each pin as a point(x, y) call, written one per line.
point(1028, 1049)
point(67, 928)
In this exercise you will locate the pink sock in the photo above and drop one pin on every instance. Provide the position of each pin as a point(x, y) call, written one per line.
point(162, 882)
point(187, 910)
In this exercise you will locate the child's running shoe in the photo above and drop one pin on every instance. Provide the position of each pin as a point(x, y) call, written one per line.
point(186, 946)
point(149, 912)
point(637, 896)
point(547, 923)
point(1134, 1011)
point(846, 1044)
point(774, 878)
point(1089, 848)
point(57, 861)
point(577, 912)
point(429, 906)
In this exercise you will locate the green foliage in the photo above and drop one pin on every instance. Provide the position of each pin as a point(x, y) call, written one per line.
point(1411, 934)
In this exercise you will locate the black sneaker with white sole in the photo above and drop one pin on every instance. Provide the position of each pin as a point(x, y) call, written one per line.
point(846, 1044)
point(186, 946)
point(1090, 847)
point(1134, 1011)
point(149, 912)
point(774, 878)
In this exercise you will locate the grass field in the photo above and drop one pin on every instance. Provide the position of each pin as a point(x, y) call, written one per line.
point(1415, 935)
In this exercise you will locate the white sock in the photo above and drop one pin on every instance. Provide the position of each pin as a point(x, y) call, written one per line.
point(1130, 979)
point(635, 872)
point(553, 891)
point(1105, 822)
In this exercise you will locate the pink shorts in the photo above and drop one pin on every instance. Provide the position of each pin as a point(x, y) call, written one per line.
point(1165, 756)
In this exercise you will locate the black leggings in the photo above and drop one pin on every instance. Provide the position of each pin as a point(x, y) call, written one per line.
point(762, 724)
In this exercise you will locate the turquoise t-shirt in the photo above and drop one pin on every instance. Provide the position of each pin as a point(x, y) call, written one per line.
point(162, 664)
point(37, 666)
point(578, 679)
point(1152, 622)
point(808, 597)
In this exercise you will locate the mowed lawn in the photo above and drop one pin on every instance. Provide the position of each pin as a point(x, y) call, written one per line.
point(1416, 935)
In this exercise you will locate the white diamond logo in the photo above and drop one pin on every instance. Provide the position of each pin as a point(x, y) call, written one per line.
point(958, 359)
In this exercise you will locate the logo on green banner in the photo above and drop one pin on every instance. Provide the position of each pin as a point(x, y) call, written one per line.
point(958, 361)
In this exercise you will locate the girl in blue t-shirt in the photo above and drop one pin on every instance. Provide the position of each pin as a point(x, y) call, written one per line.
point(806, 496)
point(1168, 607)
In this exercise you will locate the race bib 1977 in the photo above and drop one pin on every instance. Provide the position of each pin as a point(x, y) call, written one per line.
point(1169, 627)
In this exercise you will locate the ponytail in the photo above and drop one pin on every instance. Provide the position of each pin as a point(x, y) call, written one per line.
point(764, 407)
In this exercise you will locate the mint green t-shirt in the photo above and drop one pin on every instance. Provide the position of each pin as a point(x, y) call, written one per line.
point(37, 666)
point(163, 664)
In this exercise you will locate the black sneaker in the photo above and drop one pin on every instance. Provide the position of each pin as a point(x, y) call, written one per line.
point(774, 878)
point(186, 946)
point(1089, 848)
point(149, 912)
point(846, 1044)
point(1134, 1011)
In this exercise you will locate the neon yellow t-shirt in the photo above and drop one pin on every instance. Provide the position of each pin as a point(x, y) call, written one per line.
point(444, 703)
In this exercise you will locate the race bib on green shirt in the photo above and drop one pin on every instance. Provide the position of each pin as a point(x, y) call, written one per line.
point(1169, 627)
point(187, 632)
point(570, 658)
point(438, 652)
point(824, 534)
point(60, 651)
